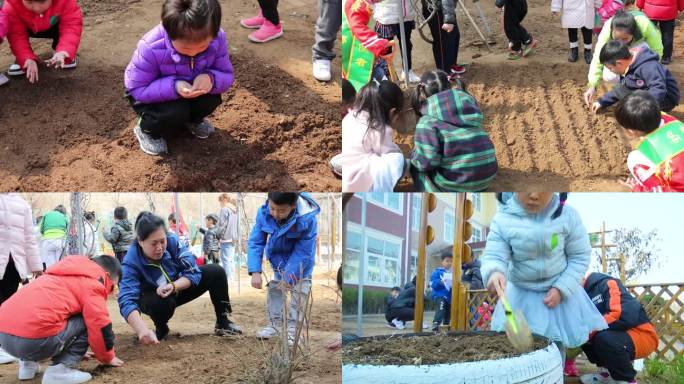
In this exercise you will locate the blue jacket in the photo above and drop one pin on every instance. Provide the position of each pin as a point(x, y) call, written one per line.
point(535, 252)
point(290, 248)
point(439, 290)
point(140, 275)
point(648, 74)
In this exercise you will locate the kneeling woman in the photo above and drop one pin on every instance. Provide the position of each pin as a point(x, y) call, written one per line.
point(160, 275)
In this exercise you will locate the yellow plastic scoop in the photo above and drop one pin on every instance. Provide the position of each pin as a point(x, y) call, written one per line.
point(517, 331)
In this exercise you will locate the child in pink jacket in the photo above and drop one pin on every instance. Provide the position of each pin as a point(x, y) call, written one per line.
point(370, 160)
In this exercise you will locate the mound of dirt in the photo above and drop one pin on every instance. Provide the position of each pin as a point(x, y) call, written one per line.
point(431, 349)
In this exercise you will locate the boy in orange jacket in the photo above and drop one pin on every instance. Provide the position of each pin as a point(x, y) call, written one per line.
point(59, 20)
point(59, 315)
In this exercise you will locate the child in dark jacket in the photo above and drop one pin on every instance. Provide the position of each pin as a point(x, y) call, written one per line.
point(59, 20)
point(59, 315)
point(446, 37)
point(121, 234)
point(638, 69)
point(178, 73)
point(402, 308)
point(520, 43)
point(441, 281)
point(630, 334)
point(452, 151)
point(210, 243)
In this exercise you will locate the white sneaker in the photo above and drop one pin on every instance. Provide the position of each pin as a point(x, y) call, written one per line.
point(321, 70)
point(291, 333)
point(335, 166)
point(267, 332)
point(6, 358)
point(3, 79)
point(398, 324)
point(28, 370)
point(61, 374)
point(15, 70)
point(413, 77)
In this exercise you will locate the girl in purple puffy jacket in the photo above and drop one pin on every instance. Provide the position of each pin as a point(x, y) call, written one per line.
point(178, 73)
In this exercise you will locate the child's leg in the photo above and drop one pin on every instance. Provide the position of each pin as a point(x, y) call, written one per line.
point(76, 345)
point(203, 106)
point(227, 254)
point(435, 25)
point(10, 282)
point(408, 27)
point(440, 313)
point(572, 37)
point(299, 298)
point(274, 304)
point(162, 119)
point(587, 37)
point(512, 26)
point(52, 33)
point(269, 8)
point(328, 24)
point(213, 280)
point(667, 33)
point(612, 350)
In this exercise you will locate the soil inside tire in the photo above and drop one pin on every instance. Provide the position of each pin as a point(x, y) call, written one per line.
point(432, 349)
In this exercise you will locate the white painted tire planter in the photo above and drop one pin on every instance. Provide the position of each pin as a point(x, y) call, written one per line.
point(543, 366)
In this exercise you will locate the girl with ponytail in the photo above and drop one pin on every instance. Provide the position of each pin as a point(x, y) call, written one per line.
point(538, 252)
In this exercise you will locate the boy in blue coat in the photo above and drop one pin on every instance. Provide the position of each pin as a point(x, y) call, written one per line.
point(440, 280)
point(286, 230)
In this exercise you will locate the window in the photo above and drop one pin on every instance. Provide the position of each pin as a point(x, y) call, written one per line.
point(415, 212)
point(477, 201)
point(390, 201)
point(383, 255)
point(414, 262)
point(477, 235)
point(448, 227)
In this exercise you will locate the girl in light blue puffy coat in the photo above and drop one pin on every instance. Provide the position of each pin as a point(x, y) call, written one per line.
point(538, 252)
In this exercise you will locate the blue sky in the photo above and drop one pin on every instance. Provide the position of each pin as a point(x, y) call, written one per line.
point(664, 212)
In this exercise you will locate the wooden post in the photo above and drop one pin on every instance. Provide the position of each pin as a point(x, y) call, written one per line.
point(622, 268)
point(420, 266)
point(457, 304)
point(604, 263)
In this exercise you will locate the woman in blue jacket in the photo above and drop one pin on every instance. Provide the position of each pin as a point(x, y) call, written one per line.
point(160, 275)
point(286, 230)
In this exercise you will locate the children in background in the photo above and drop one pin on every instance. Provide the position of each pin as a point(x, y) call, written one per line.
point(3, 34)
point(607, 10)
point(370, 160)
point(365, 55)
point(121, 234)
point(537, 252)
point(402, 308)
point(630, 334)
point(389, 300)
point(638, 68)
point(53, 227)
point(577, 14)
point(452, 151)
point(59, 20)
point(446, 37)
point(178, 73)
point(658, 162)
point(388, 15)
point(633, 28)
point(266, 23)
point(441, 282)
point(59, 315)
point(179, 229)
point(226, 230)
point(91, 238)
point(210, 242)
point(663, 13)
point(520, 42)
point(285, 231)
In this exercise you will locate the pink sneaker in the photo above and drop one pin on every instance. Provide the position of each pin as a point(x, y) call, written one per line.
point(570, 369)
point(267, 32)
point(253, 22)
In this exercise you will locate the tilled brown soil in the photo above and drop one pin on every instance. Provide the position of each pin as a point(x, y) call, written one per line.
point(73, 130)
point(432, 349)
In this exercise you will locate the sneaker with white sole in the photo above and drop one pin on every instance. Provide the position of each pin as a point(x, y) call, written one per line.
point(15, 70)
point(267, 332)
point(201, 130)
point(267, 32)
point(253, 22)
point(28, 370)
point(61, 374)
point(149, 144)
point(412, 76)
point(398, 324)
point(6, 358)
point(69, 64)
point(335, 166)
point(321, 70)
point(602, 377)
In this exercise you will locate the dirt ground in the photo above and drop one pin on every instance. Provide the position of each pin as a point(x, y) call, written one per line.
point(276, 128)
point(544, 135)
point(193, 354)
point(433, 349)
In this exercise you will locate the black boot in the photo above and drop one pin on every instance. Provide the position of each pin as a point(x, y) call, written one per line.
point(574, 55)
point(226, 327)
point(587, 56)
point(161, 330)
